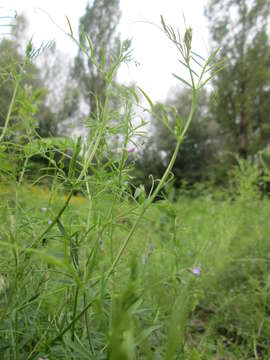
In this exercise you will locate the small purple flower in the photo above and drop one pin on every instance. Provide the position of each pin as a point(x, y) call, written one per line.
point(49, 222)
point(196, 271)
point(131, 149)
point(44, 209)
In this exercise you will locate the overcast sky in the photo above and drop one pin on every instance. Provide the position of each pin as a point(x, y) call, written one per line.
point(156, 57)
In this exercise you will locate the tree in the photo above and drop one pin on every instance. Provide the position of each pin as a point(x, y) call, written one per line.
point(31, 88)
point(63, 92)
point(99, 22)
point(239, 28)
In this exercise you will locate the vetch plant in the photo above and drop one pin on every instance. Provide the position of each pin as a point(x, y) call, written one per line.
point(184, 47)
point(63, 279)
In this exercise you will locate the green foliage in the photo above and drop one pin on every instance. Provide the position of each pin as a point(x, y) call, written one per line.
point(242, 105)
point(23, 77)
point(112, 275)
point(153, 309)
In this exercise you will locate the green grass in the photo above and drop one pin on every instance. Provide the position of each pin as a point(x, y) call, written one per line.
point(149, 303)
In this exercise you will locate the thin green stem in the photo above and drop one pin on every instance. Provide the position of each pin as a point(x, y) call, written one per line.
point(123, 158)
point(190, 73)
point(62, 333)
point(23, 171)
point(10, 109)
point(87, 326)
point(145, 206)
point(74, 313)
point(99, 137)
point(149, 201)
point(55, 219)
point(192, 109)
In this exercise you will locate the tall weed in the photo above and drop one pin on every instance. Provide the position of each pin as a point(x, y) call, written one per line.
point(109, 274)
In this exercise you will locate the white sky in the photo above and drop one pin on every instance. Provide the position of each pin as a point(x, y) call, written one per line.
point(156, 56)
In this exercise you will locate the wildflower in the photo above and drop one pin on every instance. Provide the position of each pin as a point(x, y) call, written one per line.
point(196, 271)
point(49, 222)
point(131, 149)
point(44, 209)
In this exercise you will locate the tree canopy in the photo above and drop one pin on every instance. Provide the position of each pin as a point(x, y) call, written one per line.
point(239, 28)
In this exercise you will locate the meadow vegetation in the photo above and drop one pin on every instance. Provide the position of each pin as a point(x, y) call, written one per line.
point(94, 267)
point(192, 284)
